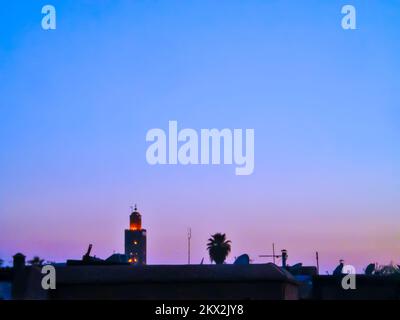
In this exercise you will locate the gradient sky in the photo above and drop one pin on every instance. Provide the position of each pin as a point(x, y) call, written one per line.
point(76, 104)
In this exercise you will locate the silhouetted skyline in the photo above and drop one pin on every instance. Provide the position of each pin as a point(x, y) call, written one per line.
point(76, 103)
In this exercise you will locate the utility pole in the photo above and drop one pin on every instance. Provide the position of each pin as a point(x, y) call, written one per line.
point(189, 235)
point(317, 258)
point(273, 252)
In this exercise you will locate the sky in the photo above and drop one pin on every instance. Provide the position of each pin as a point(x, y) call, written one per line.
point(76, 104)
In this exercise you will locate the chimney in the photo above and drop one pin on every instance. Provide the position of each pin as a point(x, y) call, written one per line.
point(19, 261)
point(284, 258)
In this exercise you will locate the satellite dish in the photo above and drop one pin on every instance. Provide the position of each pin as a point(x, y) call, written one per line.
point(338, 270)
point(244, 259)
point(370, 269)
point(296, 267)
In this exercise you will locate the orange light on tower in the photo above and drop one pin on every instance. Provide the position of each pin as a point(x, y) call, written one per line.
point(135, 220)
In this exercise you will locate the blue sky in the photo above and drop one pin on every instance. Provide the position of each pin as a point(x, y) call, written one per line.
point(76, 103)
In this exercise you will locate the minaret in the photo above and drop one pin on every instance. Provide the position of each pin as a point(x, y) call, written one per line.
point(135, 239)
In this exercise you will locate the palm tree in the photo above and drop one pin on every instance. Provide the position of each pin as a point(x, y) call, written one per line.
point(218, 248)
point(36, 261)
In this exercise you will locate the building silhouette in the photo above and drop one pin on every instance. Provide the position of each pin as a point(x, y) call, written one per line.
point(135, 239)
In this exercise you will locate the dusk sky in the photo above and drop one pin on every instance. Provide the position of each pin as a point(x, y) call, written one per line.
point(76, 104)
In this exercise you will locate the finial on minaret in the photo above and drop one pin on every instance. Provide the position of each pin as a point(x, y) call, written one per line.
point(135, 207)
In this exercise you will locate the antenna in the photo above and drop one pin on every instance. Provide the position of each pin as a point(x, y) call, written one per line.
point(317, 258)
point(189, 236)
point(273, 255)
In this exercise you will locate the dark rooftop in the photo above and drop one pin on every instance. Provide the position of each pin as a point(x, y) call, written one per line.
point(171, 273)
